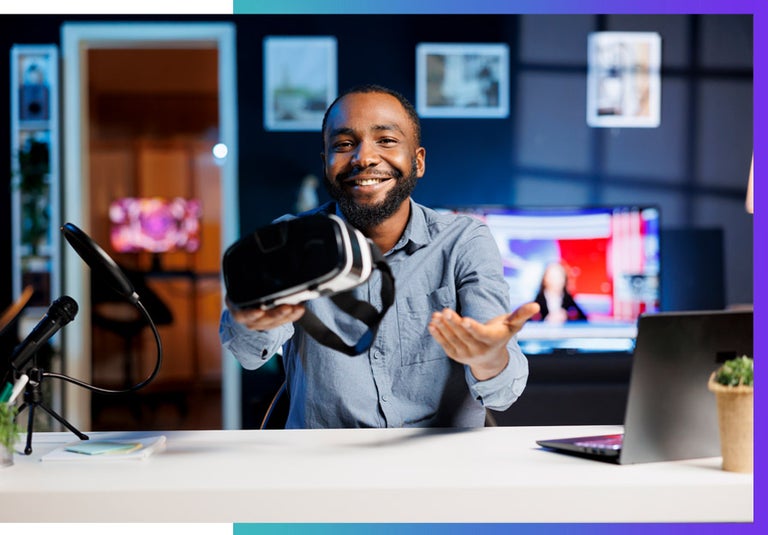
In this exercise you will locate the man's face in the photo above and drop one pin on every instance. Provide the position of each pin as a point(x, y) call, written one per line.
point(371, 158)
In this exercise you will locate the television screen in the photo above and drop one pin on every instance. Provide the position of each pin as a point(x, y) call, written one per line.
point(592, 270)
point(154, 224)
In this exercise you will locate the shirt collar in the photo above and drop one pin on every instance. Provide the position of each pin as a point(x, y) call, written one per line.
point(415, 236)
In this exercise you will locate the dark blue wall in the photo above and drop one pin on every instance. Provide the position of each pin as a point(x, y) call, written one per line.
point(694, 166)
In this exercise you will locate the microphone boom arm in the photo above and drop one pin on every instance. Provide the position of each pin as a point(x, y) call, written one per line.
point(137, 386)
point(61, 312)
point(99, 261)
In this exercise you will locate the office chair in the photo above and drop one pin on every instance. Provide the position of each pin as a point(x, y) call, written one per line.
point(9, 337)
point(115, 314)
point(11, 314)
point(277, 412)
point(490, 419)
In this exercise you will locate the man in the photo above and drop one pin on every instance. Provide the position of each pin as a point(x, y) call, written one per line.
point(445, 351)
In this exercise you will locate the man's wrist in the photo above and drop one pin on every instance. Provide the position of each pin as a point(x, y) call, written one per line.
point(492, 368)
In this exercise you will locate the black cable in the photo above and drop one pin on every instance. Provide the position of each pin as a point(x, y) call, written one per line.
point(133, 388)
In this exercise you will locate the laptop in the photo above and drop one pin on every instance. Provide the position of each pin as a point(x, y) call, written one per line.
point(670, 413)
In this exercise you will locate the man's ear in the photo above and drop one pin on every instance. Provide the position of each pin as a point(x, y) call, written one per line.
point(421, 162)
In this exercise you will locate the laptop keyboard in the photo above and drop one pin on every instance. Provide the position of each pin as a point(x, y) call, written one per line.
point(606, 443)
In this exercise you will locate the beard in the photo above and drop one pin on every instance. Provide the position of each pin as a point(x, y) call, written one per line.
point(366, 217)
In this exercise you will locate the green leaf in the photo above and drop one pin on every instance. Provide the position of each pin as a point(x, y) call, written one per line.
point(9, 429)
point(736, 372)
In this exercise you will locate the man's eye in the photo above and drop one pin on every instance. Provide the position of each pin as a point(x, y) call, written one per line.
point(342, 145)
point(387, 141)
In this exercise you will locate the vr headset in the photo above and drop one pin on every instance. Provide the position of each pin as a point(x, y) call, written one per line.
point(300, 259)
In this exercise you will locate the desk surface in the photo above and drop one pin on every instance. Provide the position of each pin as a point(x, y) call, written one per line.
point(367, 475)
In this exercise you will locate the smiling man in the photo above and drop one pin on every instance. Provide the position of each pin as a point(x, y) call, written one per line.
point(446, 350)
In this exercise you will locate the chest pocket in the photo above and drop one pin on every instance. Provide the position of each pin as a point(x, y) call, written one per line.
point(416, 344)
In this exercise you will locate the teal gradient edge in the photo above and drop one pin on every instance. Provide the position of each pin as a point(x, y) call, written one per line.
point(478, 7)
point(759, 9)
point(485, 529)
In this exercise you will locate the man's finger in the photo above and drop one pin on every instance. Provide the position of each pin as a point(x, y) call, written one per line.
point(517, 319)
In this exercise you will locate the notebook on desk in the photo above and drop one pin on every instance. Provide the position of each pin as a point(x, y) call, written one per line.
point(670, 413)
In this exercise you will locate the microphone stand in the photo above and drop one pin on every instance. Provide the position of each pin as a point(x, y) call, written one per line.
point(33, 393)
point(33, 398)
point(99, 260)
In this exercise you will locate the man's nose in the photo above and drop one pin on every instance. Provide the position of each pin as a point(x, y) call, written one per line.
point(365, 155)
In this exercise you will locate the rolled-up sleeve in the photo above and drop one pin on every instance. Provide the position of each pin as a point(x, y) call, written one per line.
point(251, 348)
point(483, 295)
point(501, 391)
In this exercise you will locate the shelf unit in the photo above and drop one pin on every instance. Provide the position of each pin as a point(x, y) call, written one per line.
point(35, 195)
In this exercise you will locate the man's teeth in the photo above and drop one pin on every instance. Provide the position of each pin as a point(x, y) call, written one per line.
point(367, 182)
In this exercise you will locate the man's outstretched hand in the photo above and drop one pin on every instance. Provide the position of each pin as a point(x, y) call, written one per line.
point(258, 319)
point(481, 346)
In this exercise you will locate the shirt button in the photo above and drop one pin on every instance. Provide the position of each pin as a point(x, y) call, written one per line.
point(376, 354)
point(384, 398)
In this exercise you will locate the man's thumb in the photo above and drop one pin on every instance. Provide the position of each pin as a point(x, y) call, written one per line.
point(517, 319)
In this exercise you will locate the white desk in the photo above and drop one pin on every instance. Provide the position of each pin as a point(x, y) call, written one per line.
point(369, 475)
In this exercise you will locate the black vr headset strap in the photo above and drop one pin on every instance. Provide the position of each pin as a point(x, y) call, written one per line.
point(360, 310)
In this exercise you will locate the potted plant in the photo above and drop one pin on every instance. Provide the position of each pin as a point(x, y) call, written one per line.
point(9, 433)
point(34, 166)
point(733, 385)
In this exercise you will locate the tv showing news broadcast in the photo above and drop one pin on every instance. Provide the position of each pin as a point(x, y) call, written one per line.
point(592, 270)
point(155, 224)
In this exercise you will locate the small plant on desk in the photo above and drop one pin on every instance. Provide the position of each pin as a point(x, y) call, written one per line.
point(733, 385)
point(9, 432)
point(736, 372)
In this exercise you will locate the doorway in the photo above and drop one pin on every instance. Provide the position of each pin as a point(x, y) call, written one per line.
point(144, 105)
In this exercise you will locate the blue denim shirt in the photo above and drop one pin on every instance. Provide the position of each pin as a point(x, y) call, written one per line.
point(404, 379)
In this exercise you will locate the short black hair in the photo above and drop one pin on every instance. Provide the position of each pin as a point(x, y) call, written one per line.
point(374, 88)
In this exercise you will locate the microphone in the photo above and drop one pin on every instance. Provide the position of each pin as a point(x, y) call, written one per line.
point(103, 266)
point(99, 261)
point(61, 312)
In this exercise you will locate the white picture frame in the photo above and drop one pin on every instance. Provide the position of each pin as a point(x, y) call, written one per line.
point(466, 80)
point(623, 79)
point(300, 81)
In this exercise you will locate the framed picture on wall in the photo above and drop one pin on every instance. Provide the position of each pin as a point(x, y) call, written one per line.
point(462, 80)
point(300, 81)
point(623, 79)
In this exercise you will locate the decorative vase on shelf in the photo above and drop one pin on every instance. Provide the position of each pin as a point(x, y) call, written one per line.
point(733, 387)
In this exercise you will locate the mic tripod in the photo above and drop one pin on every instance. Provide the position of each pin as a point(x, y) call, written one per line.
point(33, 398)
point(33, 393)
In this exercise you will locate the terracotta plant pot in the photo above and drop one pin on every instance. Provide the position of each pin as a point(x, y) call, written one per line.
point(735, 416)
